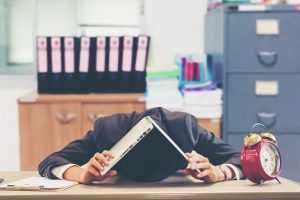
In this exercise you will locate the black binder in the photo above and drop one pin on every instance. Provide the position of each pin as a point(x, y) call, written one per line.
point(69, 63)
point(113, 65)
point(85, 62)
point(127, 58)
point(43, 64)
point(100, 84)
point(141, 48)
point(56, 73)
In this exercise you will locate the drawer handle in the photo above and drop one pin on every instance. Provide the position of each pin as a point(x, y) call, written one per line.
point(65, 118)
point(268, 119)
point(267, 58)
point(93, 117)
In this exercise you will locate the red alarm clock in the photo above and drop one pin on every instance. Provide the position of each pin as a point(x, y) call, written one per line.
point(260, 157)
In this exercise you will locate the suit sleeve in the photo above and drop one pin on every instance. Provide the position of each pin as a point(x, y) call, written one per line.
point(215, 149)
point(77, 152)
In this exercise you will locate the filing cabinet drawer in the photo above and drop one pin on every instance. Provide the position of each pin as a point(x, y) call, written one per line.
point(212, 125)
point(267, 52)
point(279, 112)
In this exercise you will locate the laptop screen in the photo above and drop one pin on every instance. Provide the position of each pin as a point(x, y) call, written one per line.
point(153, 159)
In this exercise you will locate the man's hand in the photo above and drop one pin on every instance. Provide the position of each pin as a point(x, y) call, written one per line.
point(208, 172)
point(91, 172)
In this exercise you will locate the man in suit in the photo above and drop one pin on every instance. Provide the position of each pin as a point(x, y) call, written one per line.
point(152, 159)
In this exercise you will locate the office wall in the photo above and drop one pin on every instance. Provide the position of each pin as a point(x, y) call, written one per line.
point(176, 26)
point(11, 87)
point(108, 17)
point(56, 18)
point(3, 36)
point(20, 16)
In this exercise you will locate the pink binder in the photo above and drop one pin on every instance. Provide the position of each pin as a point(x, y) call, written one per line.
point(69, 54)
point(100, 54)
point(84, 54)
point(113, 54)
point(56, 54)
point(141, 53)
point(42, 54)
point(127, 54)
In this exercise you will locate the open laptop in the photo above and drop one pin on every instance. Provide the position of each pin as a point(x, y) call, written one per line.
point(134, 136)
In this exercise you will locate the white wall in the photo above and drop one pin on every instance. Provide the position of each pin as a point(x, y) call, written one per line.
point(176, 26)
point(11, 87)
point(20, 15)
point(56, 17)
point(103, 12)
point(3, 35)
point(121, 16)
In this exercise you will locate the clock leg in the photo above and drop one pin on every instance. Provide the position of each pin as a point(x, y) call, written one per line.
point(278, 180)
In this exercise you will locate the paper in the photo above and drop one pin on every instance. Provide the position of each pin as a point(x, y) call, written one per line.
point(251, 8)
point(266, 88)
point(202, 98)
point(267, 27)
point(36, 182)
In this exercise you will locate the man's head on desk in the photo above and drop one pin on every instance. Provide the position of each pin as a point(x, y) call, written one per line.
point(152, 159)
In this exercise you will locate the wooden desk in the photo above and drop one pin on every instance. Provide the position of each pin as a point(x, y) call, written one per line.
point(176, 187)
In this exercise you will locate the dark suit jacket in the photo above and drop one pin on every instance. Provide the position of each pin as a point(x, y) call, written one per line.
point(152, 159)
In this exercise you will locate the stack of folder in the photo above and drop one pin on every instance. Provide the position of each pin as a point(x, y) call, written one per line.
point(205, 103)
point(162, 88)
point(197, 84)
point(92, 64)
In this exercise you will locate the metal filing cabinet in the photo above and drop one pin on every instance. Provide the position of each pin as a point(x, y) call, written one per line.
point(254, 54)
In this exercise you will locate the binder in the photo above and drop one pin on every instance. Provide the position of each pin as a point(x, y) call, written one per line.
point(113, 65)
point(127, 61)
point(56, 66)
point(139, 76)
point(190, 66)
point(42, 65)
point(196, 71)
point(84, 62)
point(100, 81)
point(69, 65)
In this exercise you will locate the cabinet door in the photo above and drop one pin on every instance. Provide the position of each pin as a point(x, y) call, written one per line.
point(91, 112)
point(45, 128)
point(212, 125)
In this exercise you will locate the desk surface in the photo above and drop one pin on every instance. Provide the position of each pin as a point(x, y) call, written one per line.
point(176, 187)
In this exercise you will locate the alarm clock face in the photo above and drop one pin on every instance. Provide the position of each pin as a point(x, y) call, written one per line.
point(270, 159)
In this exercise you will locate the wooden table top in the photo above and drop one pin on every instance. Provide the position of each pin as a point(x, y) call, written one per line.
point(86, 98)
point(175, 187)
